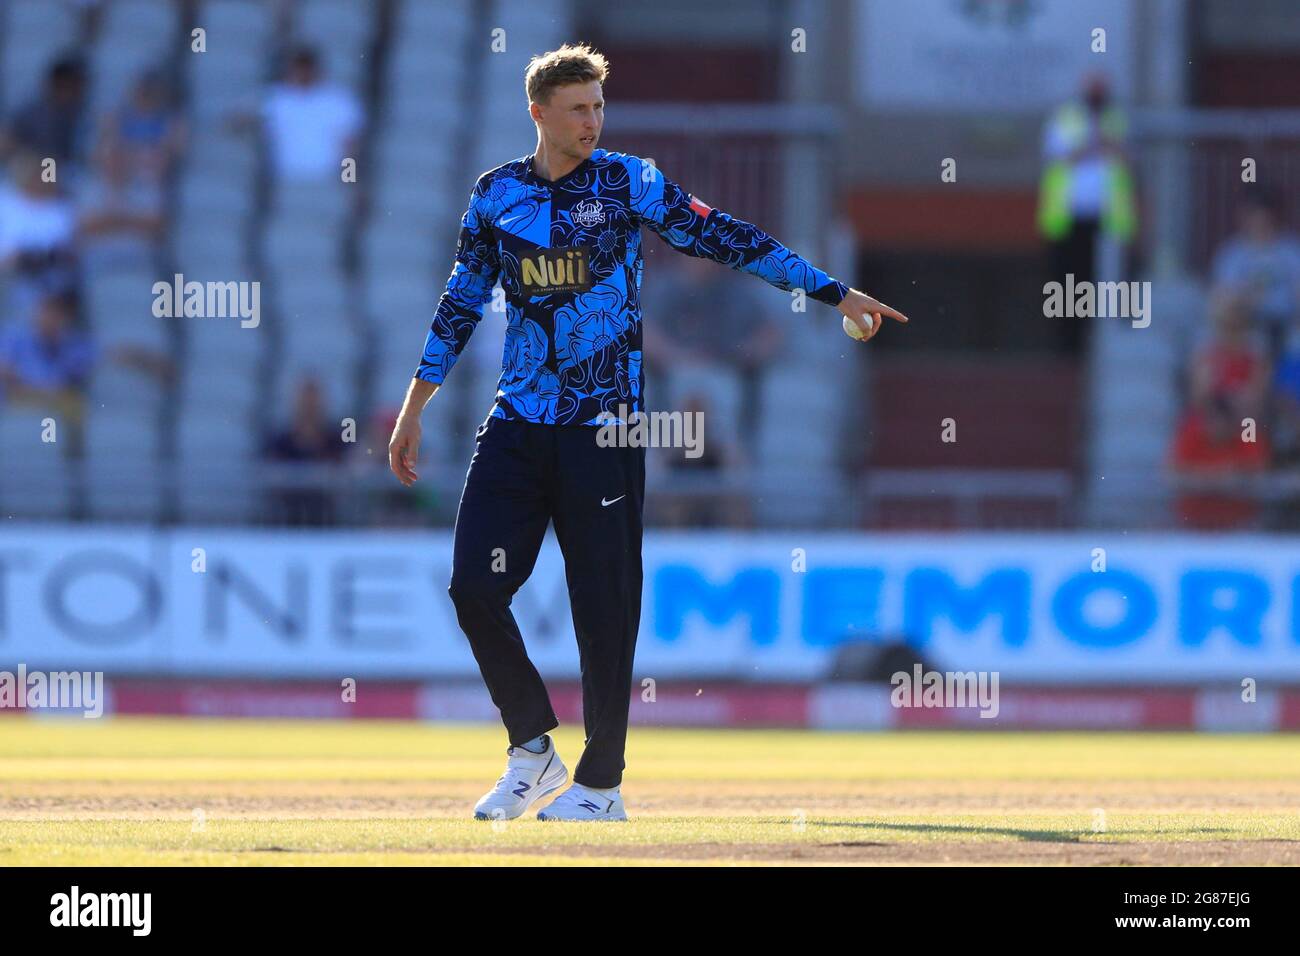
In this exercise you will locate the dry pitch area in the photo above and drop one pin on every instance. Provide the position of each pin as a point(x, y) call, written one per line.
point(161, 791)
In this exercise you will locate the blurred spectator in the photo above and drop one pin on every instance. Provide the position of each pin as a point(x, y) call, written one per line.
point(45, 354)
point(1260, 264)
point(309, 438)
point(311, 125)
point(53, 125)
point(702, 323)
point(1228, 384)
point(37, 236)
point(45, 361)
point(121, 213)
point(1086, 190)
point(1286, 431)
point(681, 505)
point(1286, 401)
point(147, 134)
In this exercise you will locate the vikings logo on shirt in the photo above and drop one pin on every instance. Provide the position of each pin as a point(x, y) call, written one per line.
point(588, 213)
point(559, 269)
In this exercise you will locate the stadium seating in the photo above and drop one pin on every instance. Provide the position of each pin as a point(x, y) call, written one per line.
point(135, 36)
point(349, 273)
point(32, 34)
point(1134, 402)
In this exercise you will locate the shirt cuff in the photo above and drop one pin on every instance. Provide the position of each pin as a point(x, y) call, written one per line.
point(832, 293)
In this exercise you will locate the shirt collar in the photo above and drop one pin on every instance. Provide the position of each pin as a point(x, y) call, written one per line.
point(532, 177)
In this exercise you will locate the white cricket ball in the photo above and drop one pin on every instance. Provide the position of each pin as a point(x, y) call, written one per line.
point(851, 328)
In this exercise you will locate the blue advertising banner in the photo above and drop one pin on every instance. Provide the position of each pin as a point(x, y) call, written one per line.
point(1094, 607)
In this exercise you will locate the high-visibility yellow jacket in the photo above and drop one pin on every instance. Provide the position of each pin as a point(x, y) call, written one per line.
point(1119, 209)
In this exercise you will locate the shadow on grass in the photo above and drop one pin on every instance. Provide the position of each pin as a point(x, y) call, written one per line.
point(1031, 836)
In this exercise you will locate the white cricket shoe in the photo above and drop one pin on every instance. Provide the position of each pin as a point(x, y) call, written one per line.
point(583, 803)
point(527, 779)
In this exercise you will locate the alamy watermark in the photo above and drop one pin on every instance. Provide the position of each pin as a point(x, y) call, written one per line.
point(53, 690)
point(946, 689)
point(1101, 300)
point(75, 908)
point(208, 300)
point(652, 430)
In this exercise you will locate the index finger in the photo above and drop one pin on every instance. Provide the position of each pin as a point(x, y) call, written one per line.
point(892, 313)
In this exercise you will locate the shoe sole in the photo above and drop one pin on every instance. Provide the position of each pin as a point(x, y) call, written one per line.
point(603, 818)
point(563, 779)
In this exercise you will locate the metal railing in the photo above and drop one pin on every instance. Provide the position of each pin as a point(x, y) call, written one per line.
point(1190, 165)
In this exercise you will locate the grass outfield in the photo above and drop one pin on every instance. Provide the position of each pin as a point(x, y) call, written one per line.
point(130, 791)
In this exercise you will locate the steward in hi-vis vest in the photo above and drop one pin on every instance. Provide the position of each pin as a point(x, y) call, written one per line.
point(1063, 190)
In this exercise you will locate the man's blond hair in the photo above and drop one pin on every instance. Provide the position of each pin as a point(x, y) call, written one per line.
point(571, 63)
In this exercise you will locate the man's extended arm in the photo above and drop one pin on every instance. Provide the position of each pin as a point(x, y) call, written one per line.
point(691, 227)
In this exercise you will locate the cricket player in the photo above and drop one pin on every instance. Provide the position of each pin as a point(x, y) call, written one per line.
point(561, 231)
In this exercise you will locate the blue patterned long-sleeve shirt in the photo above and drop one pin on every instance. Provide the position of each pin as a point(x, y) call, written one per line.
point(568, 255)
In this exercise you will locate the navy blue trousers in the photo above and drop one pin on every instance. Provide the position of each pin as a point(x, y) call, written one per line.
point(522, 477)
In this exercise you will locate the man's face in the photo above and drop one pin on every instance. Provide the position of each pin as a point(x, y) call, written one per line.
point(309, 403)
point(148, 95)
point(573, 118)
point(303, 72)
point(1096, 93)
point(51, 320)
point(67, 89)
point(1257, 222)
point(37, 186)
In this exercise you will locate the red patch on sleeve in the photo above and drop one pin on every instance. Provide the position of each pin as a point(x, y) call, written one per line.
point(700, 207)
